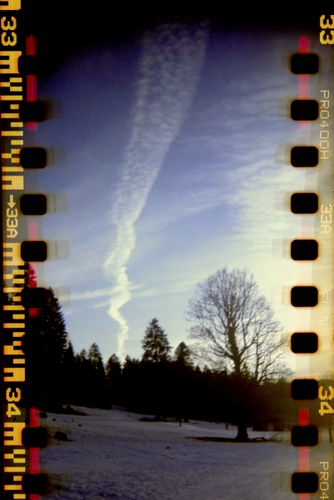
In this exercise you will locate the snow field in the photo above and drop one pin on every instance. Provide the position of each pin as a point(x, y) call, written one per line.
point(112, 454)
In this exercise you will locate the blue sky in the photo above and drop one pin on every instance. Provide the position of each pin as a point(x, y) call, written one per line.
point(175, 148)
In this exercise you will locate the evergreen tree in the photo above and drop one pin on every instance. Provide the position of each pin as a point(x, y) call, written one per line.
point(45, 344)
point(113, 374)
point(181, 381)
point(30, 276)
point(156, 361)
point(82, 356)
point(97, 383)
point(113, 368)
point(55, 328)
point(132, 385)
point(82, 378)
point(155, 343)
point(95, 357)
point(57, 345)
point(182, 355)
point(69, 373)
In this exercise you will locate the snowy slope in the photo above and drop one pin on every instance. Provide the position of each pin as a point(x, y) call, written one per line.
point(112, 454)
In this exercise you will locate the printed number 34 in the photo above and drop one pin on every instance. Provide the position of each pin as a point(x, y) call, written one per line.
point(325, 38)
point(325, 407)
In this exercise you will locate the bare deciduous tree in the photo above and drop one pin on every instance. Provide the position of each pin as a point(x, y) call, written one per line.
point(236, 327)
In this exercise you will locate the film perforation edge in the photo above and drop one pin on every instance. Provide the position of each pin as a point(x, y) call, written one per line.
point(24, 435)
point(309, 481)
point(304, 109)
point(32, 121)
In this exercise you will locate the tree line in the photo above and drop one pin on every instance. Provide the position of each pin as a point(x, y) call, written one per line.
point(234, 373)
point(164, 384)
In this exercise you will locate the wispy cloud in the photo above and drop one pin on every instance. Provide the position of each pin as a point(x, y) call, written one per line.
point(90, 294)
point(169, 70)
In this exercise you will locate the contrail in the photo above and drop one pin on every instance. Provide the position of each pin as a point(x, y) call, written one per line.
point(169, 70)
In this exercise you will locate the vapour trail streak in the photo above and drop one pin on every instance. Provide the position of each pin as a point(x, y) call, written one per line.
point(169, 71)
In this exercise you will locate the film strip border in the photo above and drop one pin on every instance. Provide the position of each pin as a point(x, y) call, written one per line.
point(305, 110)
point(24, 348)
point(24, 352)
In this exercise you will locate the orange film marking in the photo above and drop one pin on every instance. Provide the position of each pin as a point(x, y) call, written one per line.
point(304, 451)
point(304, 80)
point(31, 79)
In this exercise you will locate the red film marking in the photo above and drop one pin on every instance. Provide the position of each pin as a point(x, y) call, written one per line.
point(304, 44)
point(304, 80)
point(304, 414)
point(304, 451)
point(34, 452)
point(31, 79)
point(34, 412)
point(32, 236)
point(32, 231)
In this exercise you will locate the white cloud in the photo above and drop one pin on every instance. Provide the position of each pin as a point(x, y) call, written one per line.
point(90, 294)
point(170, 66)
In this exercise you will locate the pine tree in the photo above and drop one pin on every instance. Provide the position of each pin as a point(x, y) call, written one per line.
point(113, 374)
point(113, 367)
point(82, 379)
point(57, 345)
point(30, 276)
point(45, 343)
point(182, 355)
point(82, 356)
point(95, 357)
point(156, 364)
point(155, 343)
point(69, 373)
point(181, 382)
point(97, 384)
point(55, 328)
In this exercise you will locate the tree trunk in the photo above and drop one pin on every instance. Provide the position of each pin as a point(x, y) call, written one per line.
point(242, 433)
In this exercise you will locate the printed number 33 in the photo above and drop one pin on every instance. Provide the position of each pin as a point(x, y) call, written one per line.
point(325, 38)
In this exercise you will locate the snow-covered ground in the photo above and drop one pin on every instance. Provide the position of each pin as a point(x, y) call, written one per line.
point(112, 454)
